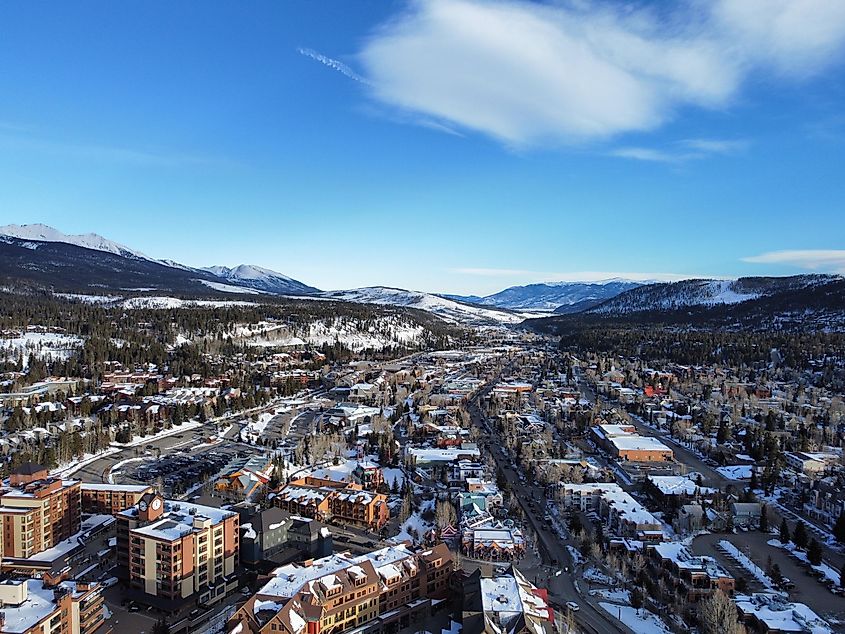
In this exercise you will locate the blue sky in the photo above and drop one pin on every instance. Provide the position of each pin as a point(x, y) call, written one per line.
point(451, 146)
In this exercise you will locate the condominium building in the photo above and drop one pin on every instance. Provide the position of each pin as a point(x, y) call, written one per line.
point(37, 511)
point(173, 553)
point(39, 606)
point(324, 499)
point(382, 591)
point(109, 499)
point(692, 576)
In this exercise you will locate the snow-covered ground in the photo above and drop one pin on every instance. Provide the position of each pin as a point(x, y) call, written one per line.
point(415, 524)
point(44, 345)
point(164, 302)
point(643, 623)
point(229, 288)
point(446, 308)
point(391, 475)
point(596, 576)
point(254, 429)
point(356, 334)
point(736, 472)
point(614, 596)
point(385, 332)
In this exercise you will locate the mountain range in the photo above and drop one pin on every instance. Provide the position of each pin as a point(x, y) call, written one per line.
point(799, 302)
point(43, 256)
point(38, 257)
point(559, 297)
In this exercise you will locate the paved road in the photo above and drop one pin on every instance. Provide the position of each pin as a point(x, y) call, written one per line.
point(561, 588)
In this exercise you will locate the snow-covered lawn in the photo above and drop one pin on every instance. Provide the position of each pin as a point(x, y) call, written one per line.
point(391, 475)
point(740, 557)
point(830, 573)
point(415, 524)
point(642, 623)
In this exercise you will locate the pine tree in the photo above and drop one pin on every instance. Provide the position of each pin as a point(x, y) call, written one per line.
point(799, 537)
point(814, 552)
point(839, 528)
point(776, 575)
point(784, 532)
point(764, 519)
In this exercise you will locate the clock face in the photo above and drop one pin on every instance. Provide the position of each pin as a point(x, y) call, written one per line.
point(142, 505)
point(156, 504)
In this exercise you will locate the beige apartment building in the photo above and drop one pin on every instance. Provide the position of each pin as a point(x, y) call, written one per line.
point(45, 606)
point(37, 512)
point(173, 553)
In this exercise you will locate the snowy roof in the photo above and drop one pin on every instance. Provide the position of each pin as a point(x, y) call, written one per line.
point(177, 519)
point(127, 488)
point(780, 615)
point(638, 443)
point(512, 594)
point(38, 605)
point(678, 485)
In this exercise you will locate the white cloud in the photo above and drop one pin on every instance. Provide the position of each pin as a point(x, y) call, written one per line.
point(529, 74)
point(574, 276)
point(824, 260)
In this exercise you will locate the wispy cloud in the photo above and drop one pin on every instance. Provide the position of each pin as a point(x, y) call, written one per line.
point(530, 74)
point(715, 146)
point(105, 153)
point(648, 154)
point(334, 64)
point(572, 276)
point(682, 151)
point(823, 260)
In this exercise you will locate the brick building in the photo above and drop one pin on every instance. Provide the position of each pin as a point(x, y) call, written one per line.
point(110, 499)
point(330, 500)
point(378, 592)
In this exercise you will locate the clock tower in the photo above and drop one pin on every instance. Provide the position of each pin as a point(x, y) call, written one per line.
point(150, 507)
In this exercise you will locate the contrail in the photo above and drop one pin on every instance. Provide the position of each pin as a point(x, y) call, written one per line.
point(333, 64)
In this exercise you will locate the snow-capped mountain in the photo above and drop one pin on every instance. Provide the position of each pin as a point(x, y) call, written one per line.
point(44, 233)
point(261, 279)
point(39, 256)
point(686, 293)
point(443, 307)
point(554, 296)
point(799, 303)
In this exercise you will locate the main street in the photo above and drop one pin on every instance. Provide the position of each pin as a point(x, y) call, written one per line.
point(552, 548)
